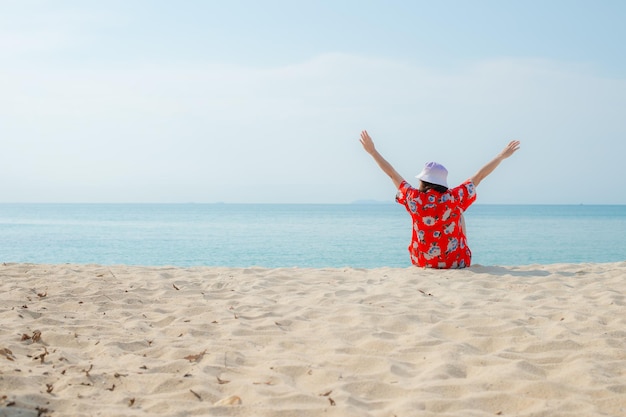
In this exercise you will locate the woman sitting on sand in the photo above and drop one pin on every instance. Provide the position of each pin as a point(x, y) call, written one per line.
point(438, 239)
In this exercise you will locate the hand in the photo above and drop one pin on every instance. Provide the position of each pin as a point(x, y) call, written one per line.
point(367, 142)
point(510, 149)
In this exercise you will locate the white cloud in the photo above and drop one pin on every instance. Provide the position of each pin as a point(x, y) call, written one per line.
point(206, 125)
point(18, 42)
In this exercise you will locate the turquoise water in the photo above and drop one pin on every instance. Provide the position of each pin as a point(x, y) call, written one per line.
point(355, 235)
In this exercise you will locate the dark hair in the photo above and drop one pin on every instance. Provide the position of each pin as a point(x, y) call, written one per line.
point(427, 186)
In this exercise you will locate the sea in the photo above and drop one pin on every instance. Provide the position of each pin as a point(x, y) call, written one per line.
point(298, 235)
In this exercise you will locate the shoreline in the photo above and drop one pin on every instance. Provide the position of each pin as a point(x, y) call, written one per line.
point(134, 340)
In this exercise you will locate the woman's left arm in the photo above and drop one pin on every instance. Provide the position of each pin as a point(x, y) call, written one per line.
point(482, 173)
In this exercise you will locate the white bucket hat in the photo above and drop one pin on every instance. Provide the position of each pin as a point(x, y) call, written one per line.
point(434, 173)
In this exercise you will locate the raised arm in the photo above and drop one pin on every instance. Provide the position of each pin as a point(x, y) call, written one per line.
point(482, 173)
point(368, 145)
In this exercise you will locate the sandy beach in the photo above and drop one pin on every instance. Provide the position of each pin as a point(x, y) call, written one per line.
point(88, 340)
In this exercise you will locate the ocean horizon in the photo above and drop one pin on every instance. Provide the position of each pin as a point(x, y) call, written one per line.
point(361, 234)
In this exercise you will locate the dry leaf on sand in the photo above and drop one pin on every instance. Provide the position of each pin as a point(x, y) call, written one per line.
point(196, 358)
point(7, 354)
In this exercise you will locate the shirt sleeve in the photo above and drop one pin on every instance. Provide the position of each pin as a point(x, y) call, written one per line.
point(402, 194)
point(466, 194)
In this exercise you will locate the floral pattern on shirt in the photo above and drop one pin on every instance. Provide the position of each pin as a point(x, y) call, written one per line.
point(438, 239)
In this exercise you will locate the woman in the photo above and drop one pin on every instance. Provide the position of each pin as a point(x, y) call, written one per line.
point(438, 239)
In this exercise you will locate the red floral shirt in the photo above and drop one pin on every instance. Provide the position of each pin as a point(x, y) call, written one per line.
point(438, 239)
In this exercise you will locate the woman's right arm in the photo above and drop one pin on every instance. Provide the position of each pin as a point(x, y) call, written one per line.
point(368, 145)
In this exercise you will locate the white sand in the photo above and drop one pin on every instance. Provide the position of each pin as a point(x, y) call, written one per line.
point(125, 341)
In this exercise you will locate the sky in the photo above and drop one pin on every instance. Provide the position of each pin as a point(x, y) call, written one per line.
point(263, 101)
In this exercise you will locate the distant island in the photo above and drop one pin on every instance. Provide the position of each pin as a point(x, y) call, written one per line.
point(372, 202)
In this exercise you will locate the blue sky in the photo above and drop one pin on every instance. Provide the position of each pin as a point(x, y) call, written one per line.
point(263, 101)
